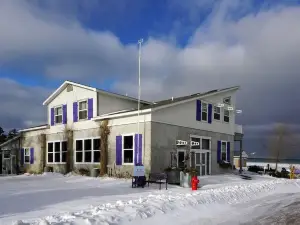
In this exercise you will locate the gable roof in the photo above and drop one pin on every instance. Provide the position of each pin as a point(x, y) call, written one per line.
point(66, 83)
point(10, 140)
point(166, 103)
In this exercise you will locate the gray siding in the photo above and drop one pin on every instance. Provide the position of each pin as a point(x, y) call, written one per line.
point(163, 142)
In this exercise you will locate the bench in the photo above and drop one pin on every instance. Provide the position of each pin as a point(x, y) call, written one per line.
point(158, 178)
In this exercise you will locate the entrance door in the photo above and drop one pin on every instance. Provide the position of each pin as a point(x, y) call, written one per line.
point(202, 162)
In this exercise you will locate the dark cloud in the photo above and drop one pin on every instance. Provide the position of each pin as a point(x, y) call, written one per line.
point(21, 106)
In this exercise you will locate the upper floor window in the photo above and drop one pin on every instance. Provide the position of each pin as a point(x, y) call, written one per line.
point(58, 114)
point(226, 115)
point(83, 110)
point(217, 113)
point(204, 111)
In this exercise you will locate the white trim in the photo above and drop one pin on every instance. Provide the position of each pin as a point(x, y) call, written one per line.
point(60, 141)
point(26, 155)
point(83, 150)
point(133, 113)
point(63, 86)
point(224, 116)
point(222, 141)
point(62, 114)
point(87, 109)
point(217, 113)
point(202, 111)
point(201, 137)
point(35, 128)
point(133, 144)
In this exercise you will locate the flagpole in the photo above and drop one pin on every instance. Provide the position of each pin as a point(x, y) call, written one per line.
point(139, 98)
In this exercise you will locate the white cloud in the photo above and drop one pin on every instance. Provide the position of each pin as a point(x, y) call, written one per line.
point(259, 52)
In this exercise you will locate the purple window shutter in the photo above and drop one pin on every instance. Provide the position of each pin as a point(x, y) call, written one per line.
point(31, 155)
point(228, 151)
point(52, 116)
point(64, 114)
point(219, 152)
point(209, 113)
point(119, 150)
point(75, 111)
point(140, 149)
point(198, 110)
point(90, 108)
point(138, 153)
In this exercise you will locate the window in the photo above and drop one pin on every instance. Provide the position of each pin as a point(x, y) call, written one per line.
point(82, 110)
point(224, 150)
point(217, 113)
point(57, 151)
point(205, 144)
point(88, 150)
point(226, 115)
point(128, 149)
point(27, 155)
point(58, 115)
point(180, 159)
point(204, 111)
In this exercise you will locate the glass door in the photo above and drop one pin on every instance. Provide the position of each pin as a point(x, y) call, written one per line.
point(202, 163)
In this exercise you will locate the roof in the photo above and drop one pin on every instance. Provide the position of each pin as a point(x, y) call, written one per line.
point(188, 97)
point(10, 140)
point(38, 127)
point(66, 83)
point(166, 103)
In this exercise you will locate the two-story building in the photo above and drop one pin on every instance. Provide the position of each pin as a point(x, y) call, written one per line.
point(204, 118)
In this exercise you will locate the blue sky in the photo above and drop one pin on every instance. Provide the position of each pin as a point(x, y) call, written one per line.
point(189, 46)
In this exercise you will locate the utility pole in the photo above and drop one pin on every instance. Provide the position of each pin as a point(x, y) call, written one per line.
point(139, 97)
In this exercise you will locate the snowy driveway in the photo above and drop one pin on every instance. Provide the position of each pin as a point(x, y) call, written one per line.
point(55, 199)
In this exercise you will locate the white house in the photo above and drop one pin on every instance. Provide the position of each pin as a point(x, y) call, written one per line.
point(205, 118)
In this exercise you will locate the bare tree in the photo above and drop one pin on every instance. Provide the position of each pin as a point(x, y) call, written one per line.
point(282, 143)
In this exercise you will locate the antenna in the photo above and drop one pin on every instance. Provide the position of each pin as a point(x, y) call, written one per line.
point(139, 97)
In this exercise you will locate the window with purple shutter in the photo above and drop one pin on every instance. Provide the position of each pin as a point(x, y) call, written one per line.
point(31, 156)
point(228, 151)
point(209, 113)
point(198, 110)
point(119, 150)
point(22, 156)
point(64, 114)
point(219, 151)
point(90, 108)
point(75, 111)
point(52, 116)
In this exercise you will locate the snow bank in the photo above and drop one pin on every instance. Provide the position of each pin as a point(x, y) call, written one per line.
point(162, 202)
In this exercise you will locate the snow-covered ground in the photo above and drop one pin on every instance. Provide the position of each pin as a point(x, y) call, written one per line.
point(222, 199)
